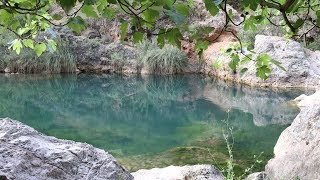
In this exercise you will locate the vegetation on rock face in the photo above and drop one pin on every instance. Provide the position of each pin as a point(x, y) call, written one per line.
point(26, 18)
point(27, 61)
point(168, 60)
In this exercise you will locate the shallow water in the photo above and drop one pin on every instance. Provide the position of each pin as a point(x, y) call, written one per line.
point(152, 121)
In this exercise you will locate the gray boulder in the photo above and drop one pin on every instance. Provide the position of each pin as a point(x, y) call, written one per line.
point(26, 154)
point(302, 65)
point(297, 151)
point(196, 172)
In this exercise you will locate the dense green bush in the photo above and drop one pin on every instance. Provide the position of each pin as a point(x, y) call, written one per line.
point(61, 61)
point(166, 60)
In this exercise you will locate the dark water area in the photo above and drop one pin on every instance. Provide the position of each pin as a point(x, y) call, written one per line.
point(152, 121)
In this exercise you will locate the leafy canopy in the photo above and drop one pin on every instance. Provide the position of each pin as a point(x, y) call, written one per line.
point(26, 18)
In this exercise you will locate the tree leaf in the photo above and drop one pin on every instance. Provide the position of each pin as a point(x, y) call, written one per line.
point(137, 37)
point(211, 7)
point(123, 30)
point(77, 24)
point(17, 46)
point(40, 48)
point(89, 11)
point(28, 43)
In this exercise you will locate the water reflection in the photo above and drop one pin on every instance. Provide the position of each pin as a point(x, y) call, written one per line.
point(137, 115)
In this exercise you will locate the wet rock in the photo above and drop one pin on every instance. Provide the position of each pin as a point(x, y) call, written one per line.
point(297, 151)
point(196, 172)
point(28, 154)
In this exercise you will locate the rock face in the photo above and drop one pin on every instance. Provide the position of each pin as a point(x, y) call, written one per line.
point(97, 56)
point(302, 65)
point(27, 154)
point(196, 172)
point(297, 151)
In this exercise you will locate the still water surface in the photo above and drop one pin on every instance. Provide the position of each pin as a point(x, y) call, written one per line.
point(152, 121)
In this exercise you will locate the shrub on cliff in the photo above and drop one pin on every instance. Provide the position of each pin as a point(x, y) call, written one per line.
point(61, 61)
point(166, 60)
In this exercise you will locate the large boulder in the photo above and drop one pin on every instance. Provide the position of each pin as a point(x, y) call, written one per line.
point(28, 154)
point(196, 172)
point(302, 65)
point(297, 151)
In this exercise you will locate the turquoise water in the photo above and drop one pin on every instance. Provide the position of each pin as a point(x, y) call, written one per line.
point(149, 121)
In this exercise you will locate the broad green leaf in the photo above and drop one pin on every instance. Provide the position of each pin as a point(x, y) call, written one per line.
point(89, 11)
point(201, 46)
point(52, 46)
point(123, 30)
point(67, 4)
point(211, 7)
point(263, 60)
point(17, 46)
point(77, 24)
point(137, 37)
point(28, 43)
point(5, 17)
point(263, 72)
point(234, 62)
point(40, 48)
point(173, 36)
point(182, 9)
point(109, 13)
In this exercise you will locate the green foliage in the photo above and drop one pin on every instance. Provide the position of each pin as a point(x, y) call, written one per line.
point(26, 18)
point(60, 61)
point(166, 60)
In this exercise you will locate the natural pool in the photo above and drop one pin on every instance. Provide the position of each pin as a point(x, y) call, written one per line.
point(152, 121)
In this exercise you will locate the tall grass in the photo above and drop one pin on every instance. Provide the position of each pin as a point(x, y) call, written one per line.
point(166, 60)
point(61, 61)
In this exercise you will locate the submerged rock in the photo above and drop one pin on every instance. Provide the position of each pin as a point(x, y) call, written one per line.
point(297, 151)
point(302, 65)
point(196, 172)
point(28, 154)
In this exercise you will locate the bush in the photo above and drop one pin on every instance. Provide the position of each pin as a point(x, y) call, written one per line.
point(168, 60)
point(61, 61)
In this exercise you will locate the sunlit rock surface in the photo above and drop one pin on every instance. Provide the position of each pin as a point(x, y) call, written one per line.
point(302, 65)
point(28, 154)
point(196, 172)
point(297, 151)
